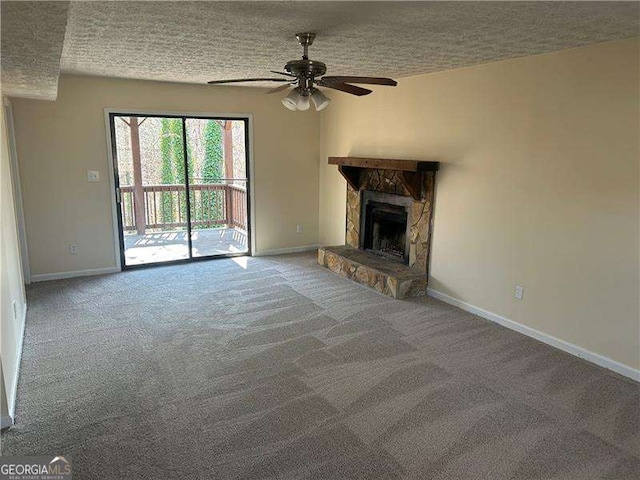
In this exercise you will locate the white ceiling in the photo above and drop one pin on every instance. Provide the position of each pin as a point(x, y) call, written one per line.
point(199, 41)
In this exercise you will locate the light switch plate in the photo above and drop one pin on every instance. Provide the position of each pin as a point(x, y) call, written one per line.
point(519, 293)
point(93, 176)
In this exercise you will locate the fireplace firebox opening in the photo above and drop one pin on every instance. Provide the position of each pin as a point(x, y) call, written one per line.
point(384, 225)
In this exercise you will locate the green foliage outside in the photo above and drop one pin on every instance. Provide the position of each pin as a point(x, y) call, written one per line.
point(207, 205)
point(213, 159)
point(212, 169)
point(172, 169)
point(167, 175)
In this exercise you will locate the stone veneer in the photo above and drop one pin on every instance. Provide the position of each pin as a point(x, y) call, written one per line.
point(419, 217)
point(386, 276)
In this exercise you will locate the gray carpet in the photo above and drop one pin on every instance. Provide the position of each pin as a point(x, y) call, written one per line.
point(284, 370)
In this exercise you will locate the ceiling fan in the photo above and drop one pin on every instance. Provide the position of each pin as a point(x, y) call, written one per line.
point(303, 75)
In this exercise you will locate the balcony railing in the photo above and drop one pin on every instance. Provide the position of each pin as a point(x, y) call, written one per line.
point(165, 206)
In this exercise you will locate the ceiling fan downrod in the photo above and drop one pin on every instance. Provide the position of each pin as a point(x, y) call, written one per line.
point(305, 39)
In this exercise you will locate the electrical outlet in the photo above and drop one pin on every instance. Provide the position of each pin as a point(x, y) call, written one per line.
point(15, 310)
point(73, 249)
point(519, 292)
point(298, 228)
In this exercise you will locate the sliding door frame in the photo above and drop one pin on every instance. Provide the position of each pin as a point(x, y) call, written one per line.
point(118, 231)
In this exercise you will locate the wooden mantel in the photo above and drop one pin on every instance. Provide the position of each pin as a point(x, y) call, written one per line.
point(411, 171)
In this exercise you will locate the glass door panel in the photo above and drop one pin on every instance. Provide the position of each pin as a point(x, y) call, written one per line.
point(152, 191)
point(218, 186)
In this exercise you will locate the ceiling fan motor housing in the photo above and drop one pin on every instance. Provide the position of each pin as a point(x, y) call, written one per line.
point(305, 70)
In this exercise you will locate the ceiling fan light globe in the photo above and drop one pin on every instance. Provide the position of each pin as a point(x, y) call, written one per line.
point(320, 100)
point(289, 104)
point(291, 100)
point(303, 102)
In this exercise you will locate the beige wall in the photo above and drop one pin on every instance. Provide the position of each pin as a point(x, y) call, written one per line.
point(538, 185)
point(11, 280)
point(59, 141)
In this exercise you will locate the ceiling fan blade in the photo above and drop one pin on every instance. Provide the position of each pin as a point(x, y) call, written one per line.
point(366, 80)
point(283, 73)
point(280, 88)
point(345, 87)
point(238, 80)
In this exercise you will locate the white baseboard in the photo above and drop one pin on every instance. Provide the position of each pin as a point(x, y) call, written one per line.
point(43, 277)
point(283, 251)
point(600, 360)
point(7, 421)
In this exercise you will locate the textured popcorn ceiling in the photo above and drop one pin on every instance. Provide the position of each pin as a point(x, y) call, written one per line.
point(32, 38)
point(199, 41)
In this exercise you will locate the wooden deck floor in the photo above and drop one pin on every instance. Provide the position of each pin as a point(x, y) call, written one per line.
point(172, 245)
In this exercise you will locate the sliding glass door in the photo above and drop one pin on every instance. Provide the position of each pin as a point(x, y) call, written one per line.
point(181, 187)
point(218, 187)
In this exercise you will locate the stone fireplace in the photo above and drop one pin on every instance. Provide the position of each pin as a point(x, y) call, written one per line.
point(389, 214)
